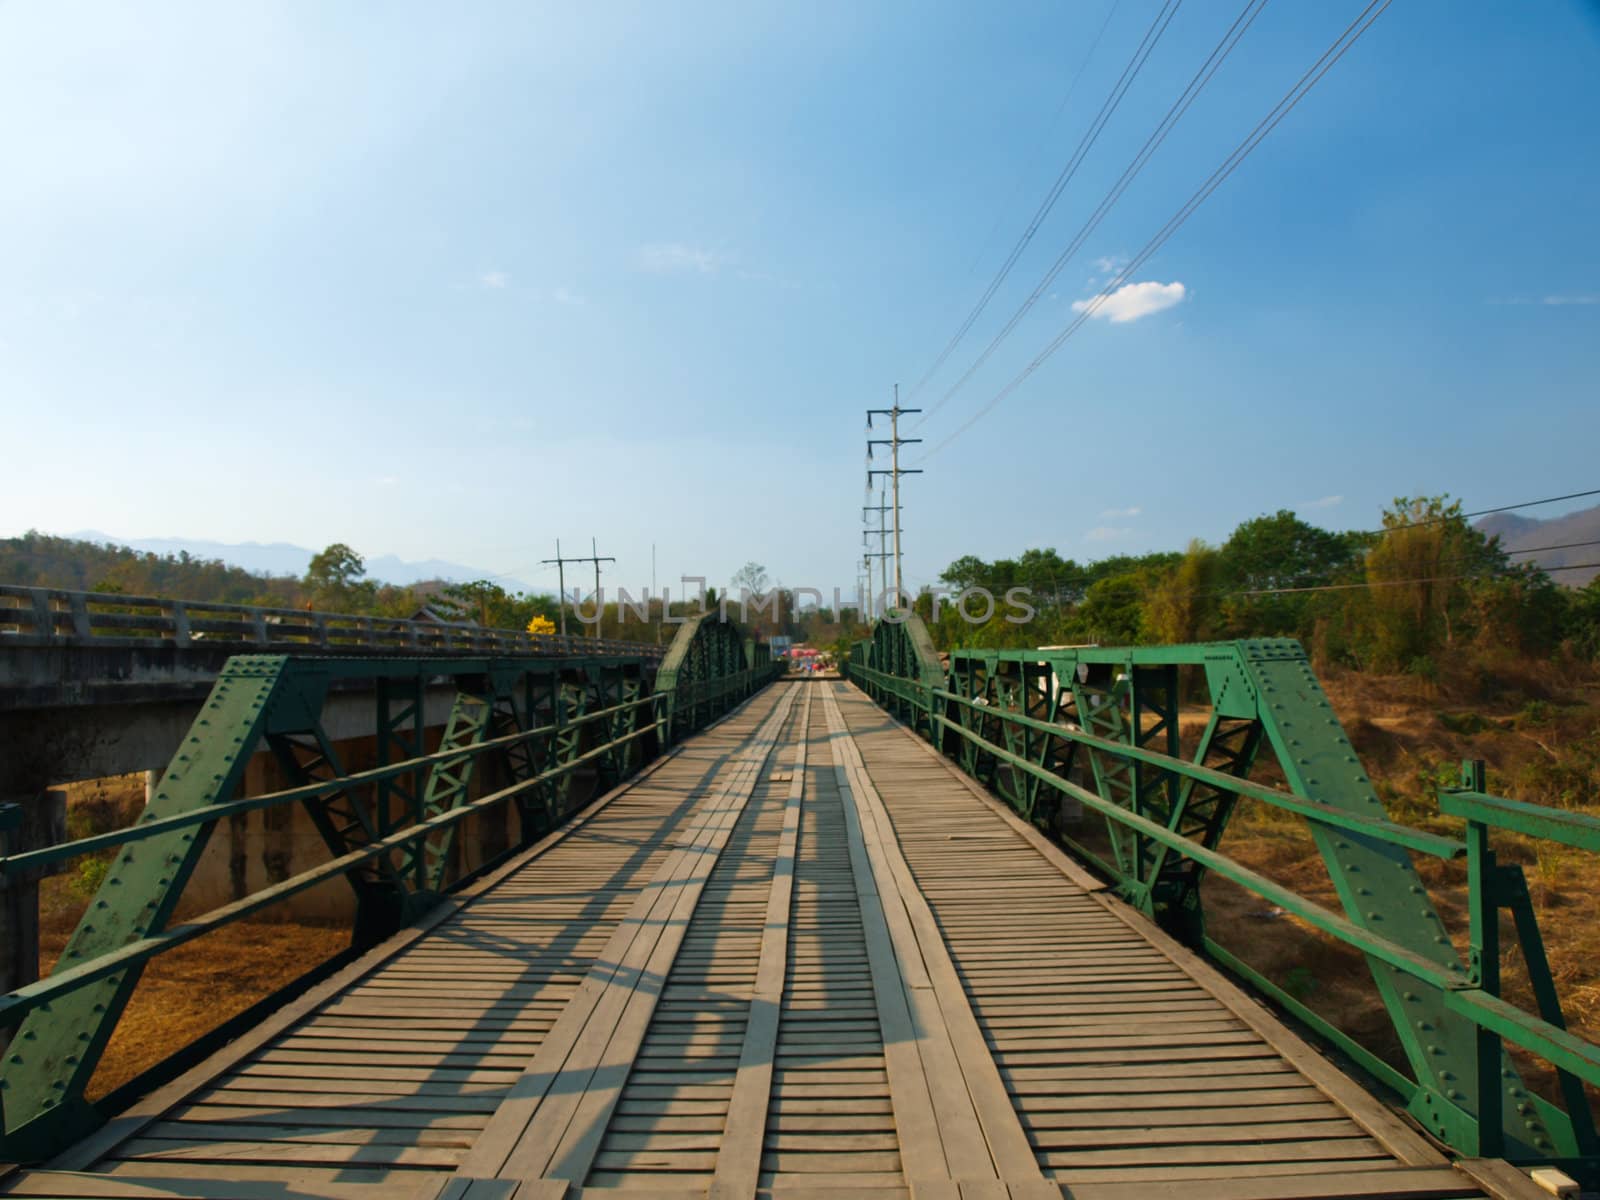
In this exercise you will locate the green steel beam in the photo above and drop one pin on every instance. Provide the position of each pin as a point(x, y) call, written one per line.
point(577, 713)
point(150, 826)
point(42, 995)
point(708, 668)
point(1165, 816)
point(56, 1050)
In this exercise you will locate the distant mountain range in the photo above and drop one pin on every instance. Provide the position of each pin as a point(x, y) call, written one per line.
point(1563, 532)
point(281, 558)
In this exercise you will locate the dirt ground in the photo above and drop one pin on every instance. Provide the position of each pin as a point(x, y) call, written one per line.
point(1540, 739)
point(187, 992)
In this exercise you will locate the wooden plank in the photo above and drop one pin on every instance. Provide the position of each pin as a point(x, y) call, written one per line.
point(1399, 1183)
point(1408, 1146)
point(1500, 1179)
point(515, 1144)
point(128, 1123)
point(579, 1149)
point(922, 1141)
point(232, 1185)
point(1002, 1133)
point(1098, 970)
point(738, 1167)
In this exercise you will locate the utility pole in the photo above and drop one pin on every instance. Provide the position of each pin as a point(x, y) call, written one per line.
point(561, 577)
point(894, 441)
point(561, 586)
point(599, 604)
point(883, 558)
point(868, 555)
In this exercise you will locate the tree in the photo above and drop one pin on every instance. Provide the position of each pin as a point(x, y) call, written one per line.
point(966, 572)
point(334, 578)
point(487, 603)
point(752, 576)
point(1112, 611)
point(1182, 605)
point(541, 626)
point(1279, 551)
point(1417, 574)
point(1582, 623)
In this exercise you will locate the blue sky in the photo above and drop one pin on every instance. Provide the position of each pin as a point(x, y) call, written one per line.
point(453, 281)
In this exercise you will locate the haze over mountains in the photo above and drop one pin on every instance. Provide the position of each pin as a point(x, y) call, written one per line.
point(1516, 532)
point(1519, 533)
point(283, 558)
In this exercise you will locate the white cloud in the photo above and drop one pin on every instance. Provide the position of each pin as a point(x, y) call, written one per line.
point(1325, 502)
point(1132, 301)
point(676, 256)
point(569, 298)
point(494, 280)
point(1105, 533)
point(1110, 265)
point(1551, 301)
point(1122, 512)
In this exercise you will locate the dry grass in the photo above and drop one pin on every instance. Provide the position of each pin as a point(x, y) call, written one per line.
point(1541, 740)
point(187, 992)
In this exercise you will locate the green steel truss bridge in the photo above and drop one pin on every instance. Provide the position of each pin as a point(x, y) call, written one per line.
point(933, 931)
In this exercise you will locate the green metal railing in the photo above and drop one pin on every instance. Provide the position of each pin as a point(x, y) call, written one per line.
point(528, 727)
point(1097, 728)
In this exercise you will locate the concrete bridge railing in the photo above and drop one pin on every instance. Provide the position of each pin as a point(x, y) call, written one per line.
point(54, 617)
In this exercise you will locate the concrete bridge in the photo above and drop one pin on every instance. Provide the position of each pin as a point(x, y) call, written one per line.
point(95, 685)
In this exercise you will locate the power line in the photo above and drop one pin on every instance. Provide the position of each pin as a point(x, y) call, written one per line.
point(1086, 579)
point(1372, 583)
point(561, 572)
point(1141, 55)
point(1286, 105)
point(1077, 77)
point(1559, 546)
point(1290, 589)
point(894, 441)
point(1484, 512)
point(1152, 143)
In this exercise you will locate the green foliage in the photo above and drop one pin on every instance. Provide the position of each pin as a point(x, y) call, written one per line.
point(88, 877)
point(1406, 598)
point(490, 605)
point(1183, 604)
point(336, 580)
point(1566, 778)
point(1112, 611)
point(1467, 724)
point(36, 560)
point(1581, 621)
point(1279, 552)
point(1535, 714)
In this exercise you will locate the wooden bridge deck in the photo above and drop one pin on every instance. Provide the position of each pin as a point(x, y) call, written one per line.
point(800, 957)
